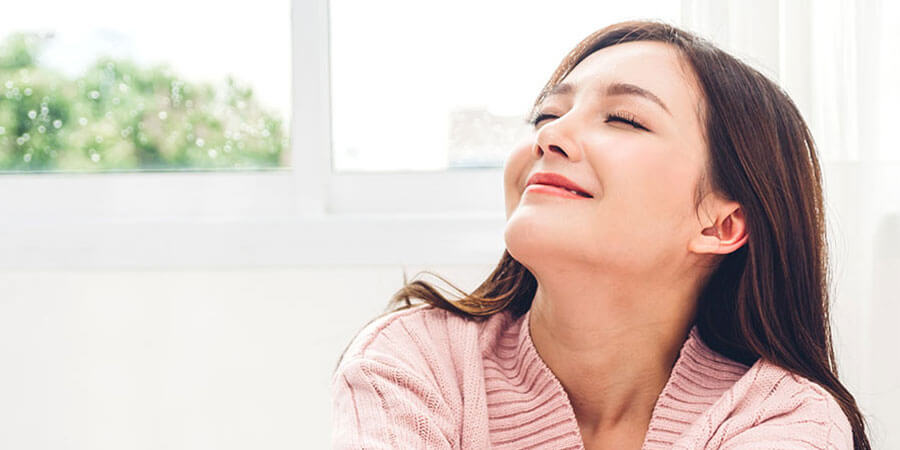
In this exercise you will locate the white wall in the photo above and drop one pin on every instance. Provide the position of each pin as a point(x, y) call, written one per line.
point(191, 359)
point(241, 358)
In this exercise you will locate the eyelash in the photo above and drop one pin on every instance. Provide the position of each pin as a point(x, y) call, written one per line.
point(616, 116)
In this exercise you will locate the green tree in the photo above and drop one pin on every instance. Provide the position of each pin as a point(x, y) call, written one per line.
point(118, 115)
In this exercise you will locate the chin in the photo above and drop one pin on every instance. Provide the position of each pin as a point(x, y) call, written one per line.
point(529, 240)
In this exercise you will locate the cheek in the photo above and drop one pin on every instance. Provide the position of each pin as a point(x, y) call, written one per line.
point(651, 187)
point(649, 172)
point(671, 182)
point(515, 169)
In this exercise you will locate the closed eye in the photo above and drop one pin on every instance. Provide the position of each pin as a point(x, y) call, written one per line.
point(611, 117)
point(625, 117)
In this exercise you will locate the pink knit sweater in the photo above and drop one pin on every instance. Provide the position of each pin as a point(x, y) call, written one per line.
point(427, 378)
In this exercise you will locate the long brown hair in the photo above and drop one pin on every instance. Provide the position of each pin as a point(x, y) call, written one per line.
point(769, 299)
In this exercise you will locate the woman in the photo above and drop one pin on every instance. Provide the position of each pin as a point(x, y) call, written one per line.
point(664, 284)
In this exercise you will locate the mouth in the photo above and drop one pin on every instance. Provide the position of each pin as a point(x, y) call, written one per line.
point(560, 188)
point(558, 182)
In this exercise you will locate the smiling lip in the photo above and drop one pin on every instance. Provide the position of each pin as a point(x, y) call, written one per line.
point(558, 181)
point(553, 190)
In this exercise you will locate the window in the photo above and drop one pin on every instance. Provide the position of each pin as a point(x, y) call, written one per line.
point(361, 203)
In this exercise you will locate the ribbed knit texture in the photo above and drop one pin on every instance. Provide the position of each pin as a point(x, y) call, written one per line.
point(427, 378)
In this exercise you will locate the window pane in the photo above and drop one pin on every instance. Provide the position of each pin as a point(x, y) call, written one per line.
point(104, 85)
point(435, 85)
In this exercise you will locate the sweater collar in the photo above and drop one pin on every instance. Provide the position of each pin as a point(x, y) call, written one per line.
point(699, 377)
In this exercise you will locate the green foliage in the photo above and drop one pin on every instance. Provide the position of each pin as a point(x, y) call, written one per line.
point(118, 116)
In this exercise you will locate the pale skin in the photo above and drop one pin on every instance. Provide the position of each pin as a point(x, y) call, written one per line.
point(618, 274)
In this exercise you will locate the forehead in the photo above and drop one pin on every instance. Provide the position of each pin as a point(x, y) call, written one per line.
point(653, 66)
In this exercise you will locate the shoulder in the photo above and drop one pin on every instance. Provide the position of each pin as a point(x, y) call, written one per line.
point(796, 397)
point(773, 405)
point(394, 387)
point(416, 339)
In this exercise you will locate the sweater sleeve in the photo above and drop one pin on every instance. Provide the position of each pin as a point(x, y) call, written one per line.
point(379, 406)
point(808, 418)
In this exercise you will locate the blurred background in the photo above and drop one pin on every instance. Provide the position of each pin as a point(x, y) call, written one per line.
point(203, 202)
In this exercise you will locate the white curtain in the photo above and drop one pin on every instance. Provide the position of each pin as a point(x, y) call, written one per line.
point(855, 67)
point(840, 62)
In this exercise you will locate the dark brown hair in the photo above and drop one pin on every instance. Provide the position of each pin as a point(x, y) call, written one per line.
point(769, 299)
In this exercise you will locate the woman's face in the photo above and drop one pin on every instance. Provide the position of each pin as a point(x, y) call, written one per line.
point(642, 179)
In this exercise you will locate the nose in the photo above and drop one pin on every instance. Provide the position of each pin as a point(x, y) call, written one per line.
point(552, 148)
point(553, 138)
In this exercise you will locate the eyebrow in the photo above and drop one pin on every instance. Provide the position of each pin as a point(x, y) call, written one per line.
point(612, 90)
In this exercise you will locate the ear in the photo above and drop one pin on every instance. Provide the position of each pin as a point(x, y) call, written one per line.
point(725, 234)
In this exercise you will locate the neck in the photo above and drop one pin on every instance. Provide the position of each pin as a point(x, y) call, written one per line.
point(611, 348)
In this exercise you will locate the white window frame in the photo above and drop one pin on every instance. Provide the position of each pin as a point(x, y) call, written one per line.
point(306, 214)
point(291, 216)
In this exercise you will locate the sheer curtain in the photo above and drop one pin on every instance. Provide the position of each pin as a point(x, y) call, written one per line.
point(840, 62)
